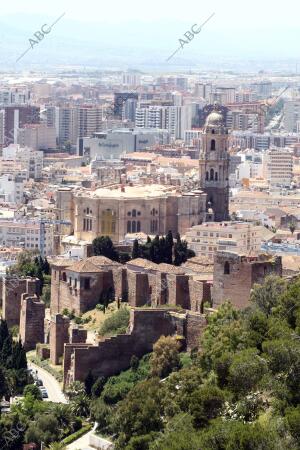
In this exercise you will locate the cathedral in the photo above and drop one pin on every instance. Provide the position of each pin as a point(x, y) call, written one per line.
point(214, 167)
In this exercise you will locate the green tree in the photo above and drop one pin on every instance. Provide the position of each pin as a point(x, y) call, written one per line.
point(169, 248)
point(206, 404)
point(140, 413)
point(98, 386)
point(46, 295)
point(134, 363)
point(3, 385)
point(292, 416)
point(4, 333)
point(80, 405)
point(32, 389)
point(292, 227)
point(267, 296)
point(102, 414)
point(246, 370)
point(44, 428)
point(165, 357)
point(135, 249)
point(88, 383)
point(103, 246)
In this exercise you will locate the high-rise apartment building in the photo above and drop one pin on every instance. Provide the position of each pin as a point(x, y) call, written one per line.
point(72, 122)
point(278, 166)
point(16, 117)
point(291, 114)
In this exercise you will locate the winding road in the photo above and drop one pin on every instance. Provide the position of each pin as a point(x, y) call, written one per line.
point(55, 393)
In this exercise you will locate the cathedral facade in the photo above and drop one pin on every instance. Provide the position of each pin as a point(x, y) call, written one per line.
point(214, 167)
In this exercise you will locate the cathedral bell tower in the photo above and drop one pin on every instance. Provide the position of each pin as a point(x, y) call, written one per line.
point(214, 166)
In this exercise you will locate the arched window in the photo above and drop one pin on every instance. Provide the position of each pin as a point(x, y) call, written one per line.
point(134, 213)
point(133, 226)
point(211, 174)
point(207, 176)
point(212, 131)
point(64, 276)
point(216, 176)
point(213, 144)
point(128, 226)
point(138, 226)
point(226, 268)
point(108, 222)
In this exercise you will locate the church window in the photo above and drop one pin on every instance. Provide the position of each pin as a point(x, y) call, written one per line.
point(226, 268)
point(138, 226)
point(133, 213)
point(211, 174)
point(207, 176)
point(134, 226)
point(212, 131)
point(128, 227)
point(213, 144)
point(64, 276)
point(216, 176)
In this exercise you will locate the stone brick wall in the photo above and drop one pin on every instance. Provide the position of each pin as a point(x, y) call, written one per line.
point(59, 335)
point(12, 290)
point(31, 321)
point(195, 325)
point(243, 273)
point(113, 355)
point(78, 335)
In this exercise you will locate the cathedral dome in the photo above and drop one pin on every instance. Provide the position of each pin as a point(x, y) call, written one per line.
point(215, 118)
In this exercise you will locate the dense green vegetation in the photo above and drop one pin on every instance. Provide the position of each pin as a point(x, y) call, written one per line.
point(117, 323)
point(163, 250)
point(158, 250)
point(241, 391)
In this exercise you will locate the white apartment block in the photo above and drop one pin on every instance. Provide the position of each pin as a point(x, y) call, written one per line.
point(238, 237)
point(11, 188)
point(14, 96)
point(192, 135)
point(278, 166)
point(26, 235)
point(175, 119)
point(30, 160)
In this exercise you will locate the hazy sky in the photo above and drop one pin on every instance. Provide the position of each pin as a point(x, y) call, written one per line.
point(230, 13)
point(239, 29)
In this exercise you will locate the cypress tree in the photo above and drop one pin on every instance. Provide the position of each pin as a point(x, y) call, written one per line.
point(135, 249)
point(4, 333)
point(19, 360)
point(169, 247)
point(88, 383)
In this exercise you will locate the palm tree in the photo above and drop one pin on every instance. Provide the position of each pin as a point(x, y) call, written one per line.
point(80, 406)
